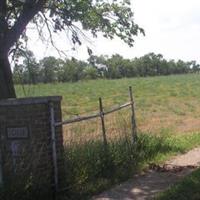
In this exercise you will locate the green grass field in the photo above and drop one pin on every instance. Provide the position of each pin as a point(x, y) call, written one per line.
point(170, 103)
point(168, 107)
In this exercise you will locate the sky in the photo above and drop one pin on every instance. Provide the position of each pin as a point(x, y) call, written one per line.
point(172, 28)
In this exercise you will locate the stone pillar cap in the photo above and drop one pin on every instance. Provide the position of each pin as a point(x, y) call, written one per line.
point(29, 100)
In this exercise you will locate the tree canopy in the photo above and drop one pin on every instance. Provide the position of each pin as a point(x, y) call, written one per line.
point(111, 18)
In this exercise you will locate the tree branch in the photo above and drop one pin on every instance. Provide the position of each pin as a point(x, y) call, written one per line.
point(28, 12)
point(51, 36)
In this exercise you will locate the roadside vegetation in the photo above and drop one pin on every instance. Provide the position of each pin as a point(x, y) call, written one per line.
point(187, 189)
point(92, 168)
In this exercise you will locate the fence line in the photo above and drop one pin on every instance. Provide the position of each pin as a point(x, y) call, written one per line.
point(83, 118)
point(102, 113)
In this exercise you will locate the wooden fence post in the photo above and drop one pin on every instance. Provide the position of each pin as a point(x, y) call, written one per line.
point(102, 122)
point(133, 120)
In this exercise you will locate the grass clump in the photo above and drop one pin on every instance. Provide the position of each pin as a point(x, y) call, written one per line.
point(92, 168)
point(187, 189)
point(26, 187)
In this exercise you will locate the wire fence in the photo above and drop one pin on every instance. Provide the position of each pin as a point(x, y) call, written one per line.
point(101, 115)
point(88, 140)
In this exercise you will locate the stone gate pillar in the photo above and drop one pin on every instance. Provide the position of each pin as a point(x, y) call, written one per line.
point(25, 141)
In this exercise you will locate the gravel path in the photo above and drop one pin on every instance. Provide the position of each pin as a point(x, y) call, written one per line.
point(145, 186)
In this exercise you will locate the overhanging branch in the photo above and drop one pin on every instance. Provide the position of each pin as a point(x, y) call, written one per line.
point(27, 14)
point(51, 36)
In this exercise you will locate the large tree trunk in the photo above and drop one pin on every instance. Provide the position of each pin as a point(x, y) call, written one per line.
point(6, 83)
point(9, 36)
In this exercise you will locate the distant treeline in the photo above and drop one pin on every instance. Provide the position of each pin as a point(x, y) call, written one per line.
point(51, 69)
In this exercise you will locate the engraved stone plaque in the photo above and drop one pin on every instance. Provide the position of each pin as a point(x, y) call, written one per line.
point(17, 133)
